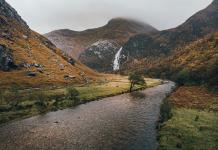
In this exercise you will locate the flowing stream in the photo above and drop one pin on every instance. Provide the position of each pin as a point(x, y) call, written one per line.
point(124, 122)
point(116, 64)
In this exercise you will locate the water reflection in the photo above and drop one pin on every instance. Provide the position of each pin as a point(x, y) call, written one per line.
point(124, 122)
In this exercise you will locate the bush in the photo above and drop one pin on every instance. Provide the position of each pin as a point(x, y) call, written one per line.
point(41, 100)
point(182, 77)
point(165, 111)
point(72, 94)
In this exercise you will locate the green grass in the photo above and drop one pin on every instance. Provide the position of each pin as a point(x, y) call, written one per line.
point(22, 104)
point(190, 129)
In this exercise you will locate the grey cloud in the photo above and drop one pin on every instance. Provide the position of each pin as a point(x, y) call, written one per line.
point(46, 15)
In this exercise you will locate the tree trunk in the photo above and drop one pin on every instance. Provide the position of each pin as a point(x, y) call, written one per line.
point(131, 86)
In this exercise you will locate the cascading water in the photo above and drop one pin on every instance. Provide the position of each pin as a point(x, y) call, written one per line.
point(116, 64)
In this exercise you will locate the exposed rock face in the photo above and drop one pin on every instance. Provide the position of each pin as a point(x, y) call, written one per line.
point(7, 11)
point(161, 43)
point(6, 59)
point(74, 43)
point(100, 55)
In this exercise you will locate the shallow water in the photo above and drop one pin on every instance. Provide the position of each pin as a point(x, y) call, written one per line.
point(123, 122)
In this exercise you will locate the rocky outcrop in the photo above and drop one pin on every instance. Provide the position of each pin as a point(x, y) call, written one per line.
point(100, 55)
point(6, 59)
point(10, 13)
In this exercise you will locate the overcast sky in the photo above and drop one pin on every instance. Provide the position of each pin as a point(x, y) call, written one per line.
point(47, 15)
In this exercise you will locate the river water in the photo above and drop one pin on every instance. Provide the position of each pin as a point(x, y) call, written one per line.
point(123, 122)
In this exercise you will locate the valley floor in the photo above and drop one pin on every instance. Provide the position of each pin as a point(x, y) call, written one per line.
point(16, 103)
point(194, 125)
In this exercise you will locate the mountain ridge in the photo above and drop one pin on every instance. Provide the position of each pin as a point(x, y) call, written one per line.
point(75, 42)
point(161, 43)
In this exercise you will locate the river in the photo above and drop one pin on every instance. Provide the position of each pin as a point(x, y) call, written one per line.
point(123, 122)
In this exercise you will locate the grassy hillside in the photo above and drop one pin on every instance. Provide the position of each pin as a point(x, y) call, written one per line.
point(196, 63)
point(144, 46)
point(194, 123)
point(29, 59)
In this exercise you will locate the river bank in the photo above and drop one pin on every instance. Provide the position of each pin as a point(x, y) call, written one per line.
point(17, 104)
point(194, 121)
point(126, 121)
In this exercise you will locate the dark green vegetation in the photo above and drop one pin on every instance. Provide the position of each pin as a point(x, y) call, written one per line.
point(194, 64)
point(17, 102)
point(72, 94)
point(187, 54)
point(194, 124)
point(136, 79)
point(165, 111)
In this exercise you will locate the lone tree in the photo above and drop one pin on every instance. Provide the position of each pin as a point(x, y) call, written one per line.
point(136, 79)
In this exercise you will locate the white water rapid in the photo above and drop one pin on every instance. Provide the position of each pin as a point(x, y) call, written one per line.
point(116, 64)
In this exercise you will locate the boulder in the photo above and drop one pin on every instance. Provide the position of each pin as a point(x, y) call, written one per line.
point(31, 74)
point(71, 61)
point(69, 77)
point(6, 59)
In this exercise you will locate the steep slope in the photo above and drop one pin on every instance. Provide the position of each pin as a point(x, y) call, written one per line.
point(29, 59)
point(195, 63)
point(74, 43)
point(99, 55)
point(161, 43)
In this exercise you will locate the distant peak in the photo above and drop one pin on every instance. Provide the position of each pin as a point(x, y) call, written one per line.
point(120, 19)
point(127, 23)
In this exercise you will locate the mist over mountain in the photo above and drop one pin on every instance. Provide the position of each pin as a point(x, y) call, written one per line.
point(119, 29)
point(161, 43)
point(80, 15)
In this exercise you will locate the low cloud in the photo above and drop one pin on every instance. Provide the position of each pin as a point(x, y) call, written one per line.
point(47, 15)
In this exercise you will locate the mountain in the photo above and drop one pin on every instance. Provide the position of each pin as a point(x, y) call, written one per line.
point(100, 55)
point(29, 59)
point(195, 63)
point(161, 43)
point(74, 43)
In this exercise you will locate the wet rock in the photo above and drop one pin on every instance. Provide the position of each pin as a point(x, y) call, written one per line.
point(100, 55)
point(71, 61)
point(31, 74)
point(69, 77)
point(6, 59)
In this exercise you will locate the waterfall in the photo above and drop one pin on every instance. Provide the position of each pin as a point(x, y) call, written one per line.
point(116, 64)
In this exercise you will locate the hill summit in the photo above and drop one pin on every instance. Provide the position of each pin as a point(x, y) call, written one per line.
point(119, 29)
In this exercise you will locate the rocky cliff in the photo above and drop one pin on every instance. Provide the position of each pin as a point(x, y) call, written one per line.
point(100, 55)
